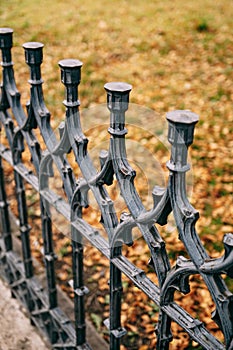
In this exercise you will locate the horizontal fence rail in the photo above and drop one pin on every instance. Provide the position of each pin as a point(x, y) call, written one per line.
point(42, 304)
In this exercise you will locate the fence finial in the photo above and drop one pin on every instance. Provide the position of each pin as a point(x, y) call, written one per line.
point(180, 135)
point(34, 58)
point(117, 102)
point(6, 42)
point(71, 77)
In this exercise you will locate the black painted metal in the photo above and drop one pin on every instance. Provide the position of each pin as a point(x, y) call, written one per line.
point(42, 305)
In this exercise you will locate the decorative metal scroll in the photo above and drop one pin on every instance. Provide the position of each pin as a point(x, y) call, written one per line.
point(42, 304)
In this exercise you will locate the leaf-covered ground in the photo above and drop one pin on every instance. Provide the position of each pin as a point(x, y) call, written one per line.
point(177, 55)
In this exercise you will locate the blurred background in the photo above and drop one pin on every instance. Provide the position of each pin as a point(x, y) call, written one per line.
point(177, 55)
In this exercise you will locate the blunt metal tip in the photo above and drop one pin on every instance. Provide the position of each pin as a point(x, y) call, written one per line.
point(118, 87)
point(70, 63)
point(6, 39)
point(182, 116)
point(33, 45)
point(6, 31)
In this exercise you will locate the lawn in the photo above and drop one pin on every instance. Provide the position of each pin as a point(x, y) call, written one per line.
point(177, 55)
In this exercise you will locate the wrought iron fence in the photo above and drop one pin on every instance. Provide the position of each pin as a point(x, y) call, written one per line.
point(41, 304)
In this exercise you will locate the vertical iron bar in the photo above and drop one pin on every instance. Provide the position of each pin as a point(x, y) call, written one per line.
point(4, 213)
point(115, 304)
point(70, 74)
point(71, 78)
point(180, 135)
point(5, 44)
point(6, 39)
point(163, 331)
point(34, 57)
point(78, 284)
point(117, 102)
point(24, 227)
point(49, 256)
point(17, 149)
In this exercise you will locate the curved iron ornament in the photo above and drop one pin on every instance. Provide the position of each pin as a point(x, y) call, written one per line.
point(44, 308)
